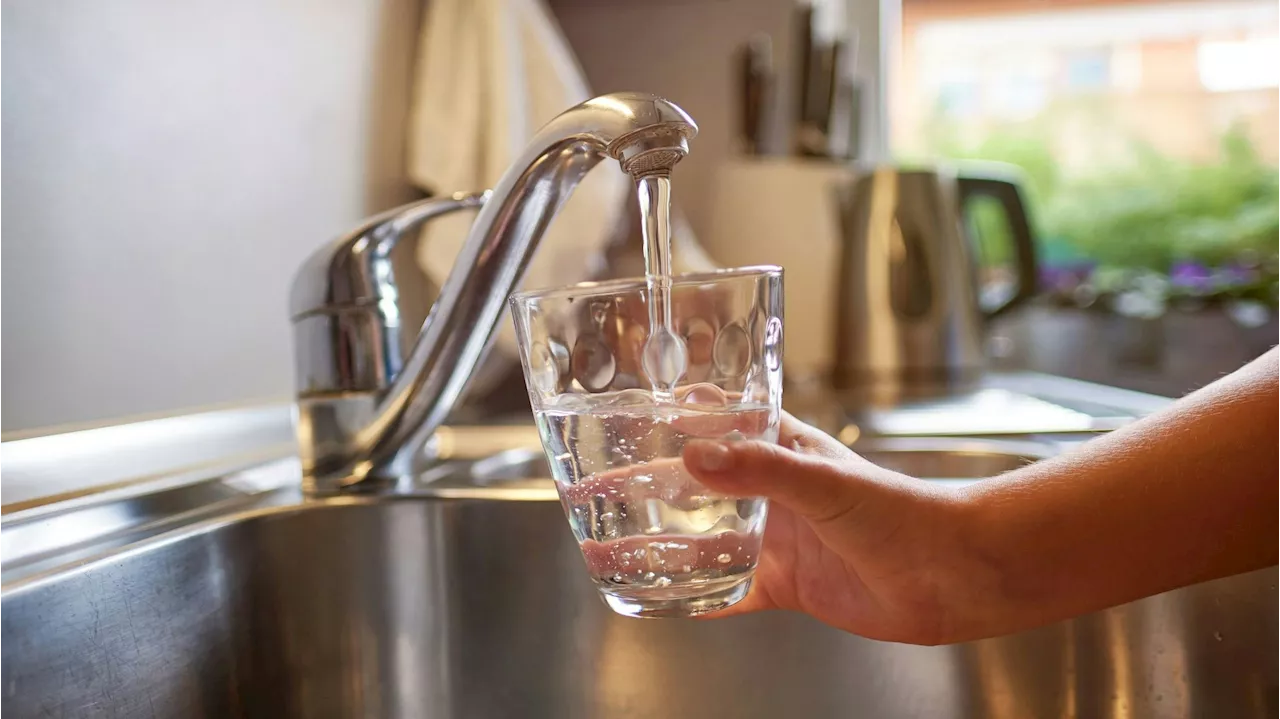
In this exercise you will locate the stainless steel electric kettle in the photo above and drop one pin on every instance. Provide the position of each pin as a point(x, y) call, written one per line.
point(909, 318)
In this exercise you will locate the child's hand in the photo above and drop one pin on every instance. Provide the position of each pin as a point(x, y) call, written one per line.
point(1179, 497)
point(856, 546)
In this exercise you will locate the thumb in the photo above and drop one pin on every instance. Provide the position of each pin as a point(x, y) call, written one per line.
point(811, 486)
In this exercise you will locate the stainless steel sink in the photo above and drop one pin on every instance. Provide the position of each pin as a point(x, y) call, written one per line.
point(469, 599)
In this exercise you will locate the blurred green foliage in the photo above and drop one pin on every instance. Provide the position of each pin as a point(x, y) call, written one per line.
point(1147, 211)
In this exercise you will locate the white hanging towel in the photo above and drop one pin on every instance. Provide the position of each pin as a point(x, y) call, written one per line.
point(490, 74)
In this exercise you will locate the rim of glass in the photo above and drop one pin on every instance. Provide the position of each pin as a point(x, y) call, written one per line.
point(603, 287)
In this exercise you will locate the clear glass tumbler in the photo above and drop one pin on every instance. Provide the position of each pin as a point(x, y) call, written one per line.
point(656, 542)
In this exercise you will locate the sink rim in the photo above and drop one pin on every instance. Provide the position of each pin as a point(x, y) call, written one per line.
point(24, 572)
point(66, 464)
point(275, 488)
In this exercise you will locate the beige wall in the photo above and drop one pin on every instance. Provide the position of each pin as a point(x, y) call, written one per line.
point(167, 165)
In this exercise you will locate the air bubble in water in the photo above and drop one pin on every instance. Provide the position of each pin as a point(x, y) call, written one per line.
point(631, 398)
point(654, 512)
point(662, 582)
point(705, 395)
point(724, 558)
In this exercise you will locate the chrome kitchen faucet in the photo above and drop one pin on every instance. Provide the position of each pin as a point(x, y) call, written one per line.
point(368, 402)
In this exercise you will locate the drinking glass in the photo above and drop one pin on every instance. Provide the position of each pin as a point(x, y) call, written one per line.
point(657, 543)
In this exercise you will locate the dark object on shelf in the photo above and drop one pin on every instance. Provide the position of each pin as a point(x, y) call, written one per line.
point(755, 67)
point(804, 55)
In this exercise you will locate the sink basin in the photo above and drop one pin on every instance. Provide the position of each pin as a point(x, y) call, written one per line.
point(432, 607)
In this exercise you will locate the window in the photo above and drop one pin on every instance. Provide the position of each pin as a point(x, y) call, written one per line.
point(1239, 65)
point(1018, 96)
point(958, 99)
point(1088, 70)
point(1146, 129)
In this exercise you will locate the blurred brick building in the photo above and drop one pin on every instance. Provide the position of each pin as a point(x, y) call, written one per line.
point(1091, 75)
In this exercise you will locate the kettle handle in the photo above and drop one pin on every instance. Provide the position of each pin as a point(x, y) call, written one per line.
point(1024, 245)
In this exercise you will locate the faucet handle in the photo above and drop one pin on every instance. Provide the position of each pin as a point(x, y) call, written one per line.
point(347, 323)
point(352, 270)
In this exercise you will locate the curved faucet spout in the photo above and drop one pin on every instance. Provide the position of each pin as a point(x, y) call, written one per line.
point(384, 431)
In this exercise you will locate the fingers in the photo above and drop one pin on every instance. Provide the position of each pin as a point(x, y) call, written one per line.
point(805, 439)
point(808, 484)
point(798, 472)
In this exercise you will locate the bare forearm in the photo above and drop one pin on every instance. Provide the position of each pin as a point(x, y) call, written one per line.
point(1187, 495)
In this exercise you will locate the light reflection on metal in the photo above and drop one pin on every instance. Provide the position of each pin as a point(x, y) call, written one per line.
point(1119, 653)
